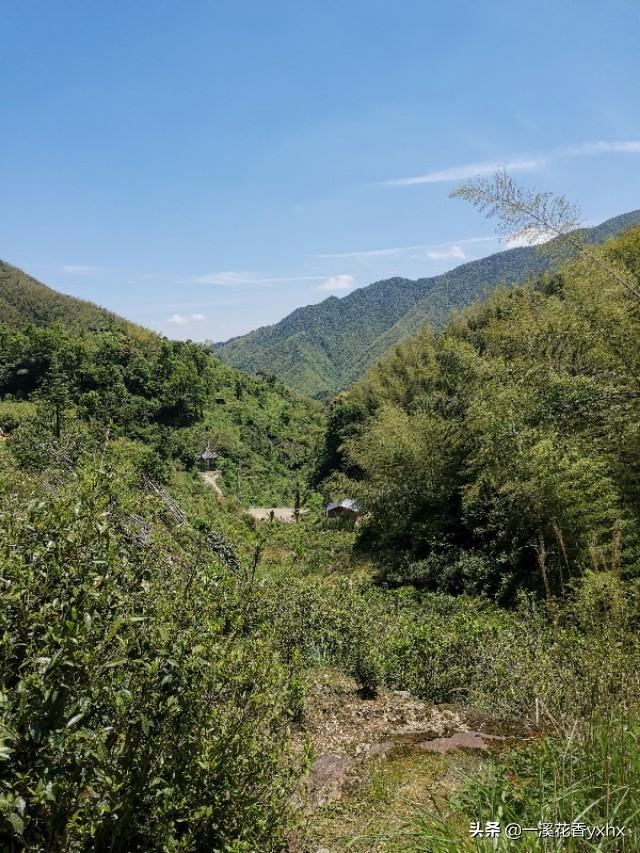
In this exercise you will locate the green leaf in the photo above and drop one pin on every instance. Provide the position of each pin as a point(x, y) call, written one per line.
point(16, 822)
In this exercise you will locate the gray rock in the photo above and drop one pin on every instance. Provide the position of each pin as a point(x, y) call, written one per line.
point(326, 778)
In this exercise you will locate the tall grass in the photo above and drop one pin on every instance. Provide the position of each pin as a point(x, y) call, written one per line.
point(591, 776)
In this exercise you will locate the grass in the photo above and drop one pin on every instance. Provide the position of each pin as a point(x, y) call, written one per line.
point(591, 776)
point(375, 815)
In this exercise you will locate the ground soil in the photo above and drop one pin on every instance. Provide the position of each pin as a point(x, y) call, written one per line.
point(376, 760)
point(260, 513)
point(280, 513)
point(211, 479)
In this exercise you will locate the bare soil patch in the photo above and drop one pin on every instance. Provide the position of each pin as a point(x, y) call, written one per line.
point(211, 479)
point(376, 759)
point(280, 513)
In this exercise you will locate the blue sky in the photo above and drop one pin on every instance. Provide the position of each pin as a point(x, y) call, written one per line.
point(205, 167)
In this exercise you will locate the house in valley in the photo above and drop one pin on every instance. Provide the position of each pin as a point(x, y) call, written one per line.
point(346, 508)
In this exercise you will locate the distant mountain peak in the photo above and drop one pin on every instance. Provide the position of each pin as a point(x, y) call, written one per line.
point(320, 349)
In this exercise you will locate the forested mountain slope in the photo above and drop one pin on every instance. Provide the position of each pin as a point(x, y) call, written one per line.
point(315, 347)
point(322, 348)
point(165, 399)
point(26, 301)
point(501, 451)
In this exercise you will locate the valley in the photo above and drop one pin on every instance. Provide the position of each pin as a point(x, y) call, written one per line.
point(189, 663)
point(320, 427)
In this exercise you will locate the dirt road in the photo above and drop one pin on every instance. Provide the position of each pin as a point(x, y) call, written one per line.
point(281, 513)
point(211, 479)
point(260, 513)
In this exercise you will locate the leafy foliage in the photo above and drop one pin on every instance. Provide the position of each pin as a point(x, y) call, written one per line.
point(25, 301)
point(170, 395)
point(589, 779)
point(139, 709)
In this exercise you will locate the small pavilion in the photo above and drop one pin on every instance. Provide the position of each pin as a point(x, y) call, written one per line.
point(208, 458)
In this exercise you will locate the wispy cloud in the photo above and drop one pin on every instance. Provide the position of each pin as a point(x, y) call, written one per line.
point(529, 237)
point(450, 249)
point(372, 253)
point(151, 276)
point(185, 319)
point(470, 170)
point(517, 164)
point(446, 254)
point(235, 279)
point(80, 269)
point(591, 148)
point(337, 282)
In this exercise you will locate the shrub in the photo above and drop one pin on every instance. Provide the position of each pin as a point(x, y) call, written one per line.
point(138, 710)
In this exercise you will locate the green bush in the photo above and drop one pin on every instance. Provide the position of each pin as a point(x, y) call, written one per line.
point(138, 708)
point(13, 413)
point(510, 437)
point(571, 656)
point(35, 446)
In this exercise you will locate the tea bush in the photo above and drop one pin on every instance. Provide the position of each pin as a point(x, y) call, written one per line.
point(570, 656)
point(138, 708)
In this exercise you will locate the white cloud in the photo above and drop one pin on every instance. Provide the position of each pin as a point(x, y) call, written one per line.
point(591, 148)
point(223, 279)
point(151, 276)
point(235, 279)
point(401, 250)
point(519, 164)
point(80, 269)
point(470, 170)
point(446, 254)
point(372, 253)
point(185, 319)
point(337, 282)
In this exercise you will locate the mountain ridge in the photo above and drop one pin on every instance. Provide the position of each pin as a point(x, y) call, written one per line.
point(322, 348)
point(26, 301)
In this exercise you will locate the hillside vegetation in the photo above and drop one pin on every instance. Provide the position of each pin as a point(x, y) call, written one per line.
point(25, 301)
point(175, 676)
point(501, 452)
point(323, 348)
point(169, 398)
point(158, 657)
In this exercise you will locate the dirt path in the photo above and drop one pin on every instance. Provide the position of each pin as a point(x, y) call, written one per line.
point(211, 479)
point(281, 513)
point(347, 732)
point(260, 513)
